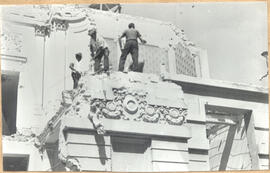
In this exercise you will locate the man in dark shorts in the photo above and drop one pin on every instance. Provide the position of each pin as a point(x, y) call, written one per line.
point(98, 49)
point(131, 46)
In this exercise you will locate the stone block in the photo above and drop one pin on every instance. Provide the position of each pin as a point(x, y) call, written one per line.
point(169, 144)
point(94, 164)
point(167, 166)
point(86, 137)
point(198, 132)
point(198, 166)
point(169, 155)
point(95, 151)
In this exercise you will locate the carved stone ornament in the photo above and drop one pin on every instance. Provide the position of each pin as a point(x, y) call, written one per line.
point(42, 30)
point(59, 25)
point(132, 105)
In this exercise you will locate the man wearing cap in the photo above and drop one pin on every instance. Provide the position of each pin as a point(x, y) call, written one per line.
point(98, 49)
point(131, 46)
point(76, 70)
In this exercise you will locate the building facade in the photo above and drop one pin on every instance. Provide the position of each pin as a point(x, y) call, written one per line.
point(171, 117)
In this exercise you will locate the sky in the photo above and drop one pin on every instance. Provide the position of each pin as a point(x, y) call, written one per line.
point(233, 33)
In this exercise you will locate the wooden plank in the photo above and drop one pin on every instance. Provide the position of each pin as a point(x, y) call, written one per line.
point(227, 148)
point(88, 138)
point(171, 145)
point(93, 164)
point(166, 166)
point(89, 150)
point(169, 155)
point(198, 166)
point(251, 140)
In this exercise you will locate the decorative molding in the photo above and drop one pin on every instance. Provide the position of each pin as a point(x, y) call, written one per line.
point(15, 58)
point(59, 25)
point(132, 105)
point(42, 31)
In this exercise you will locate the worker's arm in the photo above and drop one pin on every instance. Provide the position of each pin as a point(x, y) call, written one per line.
point(140, 38)
point(120, 39)
point(71, 66)
point(120, 42)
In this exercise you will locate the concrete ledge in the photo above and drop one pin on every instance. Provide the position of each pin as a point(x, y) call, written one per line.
point(129, 127)
point(217, 88)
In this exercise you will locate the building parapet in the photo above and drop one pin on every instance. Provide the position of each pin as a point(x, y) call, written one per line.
point(224, 89)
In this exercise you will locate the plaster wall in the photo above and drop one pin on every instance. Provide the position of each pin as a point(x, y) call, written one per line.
point(37, 161)
point(30, 78)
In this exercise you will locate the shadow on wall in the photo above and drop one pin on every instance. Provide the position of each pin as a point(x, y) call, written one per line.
point(101, 148)
point(55, 162)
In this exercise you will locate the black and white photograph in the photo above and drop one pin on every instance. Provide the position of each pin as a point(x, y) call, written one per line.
point(135, 87)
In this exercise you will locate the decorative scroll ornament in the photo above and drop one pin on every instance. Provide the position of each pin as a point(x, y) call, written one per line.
point(132, 105)
point(176, 116)
point(151, 114)
point(112, 110)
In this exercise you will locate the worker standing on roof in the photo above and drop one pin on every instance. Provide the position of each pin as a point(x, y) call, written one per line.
point(131, 46)
point(98, 49)
point(76, 70)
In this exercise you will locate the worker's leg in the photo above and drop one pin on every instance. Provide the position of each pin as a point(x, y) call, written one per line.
point(106, 59)
point(97, 59)
point(78, 76)
point(123, 56)
point(75, 80)
point(134, 55)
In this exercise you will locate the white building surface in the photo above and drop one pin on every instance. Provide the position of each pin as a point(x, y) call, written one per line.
point(170, 117)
